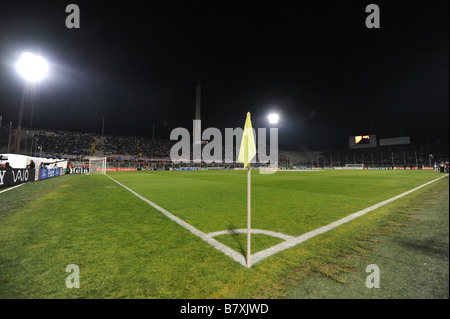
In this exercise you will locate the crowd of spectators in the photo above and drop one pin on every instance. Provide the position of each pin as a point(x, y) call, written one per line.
point(50, 142)
point(4, 136)
point(84, 144)
point(382, 156)
point(60, 142)
point(135, 146)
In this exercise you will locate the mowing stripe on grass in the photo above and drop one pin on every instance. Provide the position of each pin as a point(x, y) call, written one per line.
point(297, 240)
point(219, 246)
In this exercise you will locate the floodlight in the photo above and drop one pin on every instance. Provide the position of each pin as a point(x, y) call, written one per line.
point(32, 67)
point(273, 118)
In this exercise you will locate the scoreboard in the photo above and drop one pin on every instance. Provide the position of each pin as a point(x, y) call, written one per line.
point(362, 141)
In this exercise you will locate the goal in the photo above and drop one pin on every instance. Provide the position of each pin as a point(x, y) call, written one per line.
point(354, 166)
point(97, 165)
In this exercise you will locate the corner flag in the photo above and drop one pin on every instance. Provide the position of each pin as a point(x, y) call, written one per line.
point(246, 154)
point(248, 147)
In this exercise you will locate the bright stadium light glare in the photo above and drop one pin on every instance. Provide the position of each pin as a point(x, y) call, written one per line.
point(32, 67)
point(273, 118)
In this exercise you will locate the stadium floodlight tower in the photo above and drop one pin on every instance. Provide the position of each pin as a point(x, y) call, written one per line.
point(33, 68)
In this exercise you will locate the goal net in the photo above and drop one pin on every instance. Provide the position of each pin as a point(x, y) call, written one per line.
point(97, 165)
point(354, 166)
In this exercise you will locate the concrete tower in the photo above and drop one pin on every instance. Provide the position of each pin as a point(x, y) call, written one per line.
point(197, 121)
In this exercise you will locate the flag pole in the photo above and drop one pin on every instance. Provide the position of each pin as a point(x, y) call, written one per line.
point(249, 215)
point(246, 153)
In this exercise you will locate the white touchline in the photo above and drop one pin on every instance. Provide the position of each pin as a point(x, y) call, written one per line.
point(290, 241)
point(10, 188)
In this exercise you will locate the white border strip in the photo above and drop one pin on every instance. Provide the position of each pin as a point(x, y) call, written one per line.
point(10, 188)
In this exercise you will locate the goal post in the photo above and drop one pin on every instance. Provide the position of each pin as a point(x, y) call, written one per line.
point(97, 165)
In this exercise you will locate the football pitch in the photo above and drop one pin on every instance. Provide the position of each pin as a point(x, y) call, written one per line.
point(182, 234)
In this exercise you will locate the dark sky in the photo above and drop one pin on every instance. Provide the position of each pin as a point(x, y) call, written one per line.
point(314, 62)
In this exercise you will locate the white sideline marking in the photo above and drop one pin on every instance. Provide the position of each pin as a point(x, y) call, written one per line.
point(290, 241)
point(10, 188)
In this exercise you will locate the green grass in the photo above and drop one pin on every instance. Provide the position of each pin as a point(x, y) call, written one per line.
point(413, 260)
point(126, 249)
point(289, 202)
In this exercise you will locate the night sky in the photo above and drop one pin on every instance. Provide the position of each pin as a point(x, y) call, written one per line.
point(315, 63)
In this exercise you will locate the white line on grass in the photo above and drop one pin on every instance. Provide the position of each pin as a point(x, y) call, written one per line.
point(290, 241)
point(10, 188)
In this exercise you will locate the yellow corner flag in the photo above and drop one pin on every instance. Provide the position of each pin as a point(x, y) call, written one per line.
point(248, 147)
point(246, 154)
